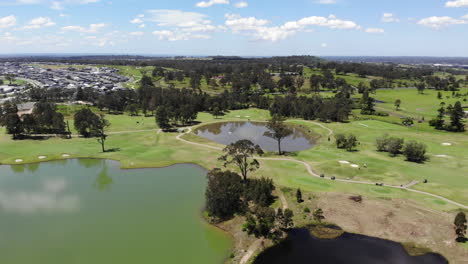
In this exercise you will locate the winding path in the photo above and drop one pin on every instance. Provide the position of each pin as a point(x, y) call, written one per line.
point(312, 173)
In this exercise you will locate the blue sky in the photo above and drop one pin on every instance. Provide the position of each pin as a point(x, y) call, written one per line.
point(236, 27)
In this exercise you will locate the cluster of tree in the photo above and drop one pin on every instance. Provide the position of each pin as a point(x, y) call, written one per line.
point(228, 194)
point(44, 119)
point(335, 109)
point(413, 151)
point(445, 84)
point(267, 223)
point(327, 81)
point(386, 71)
point(90, 124)
point(460, 227)
point(456, 115)
point(348, 142)
point(392, 145)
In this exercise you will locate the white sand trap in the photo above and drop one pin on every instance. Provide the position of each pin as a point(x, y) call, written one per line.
point(354, 165)
point(363, 125)
point(446, 144)
point(18, 160)
point(344, 162)
point(65, 155)
point(41, 157)
point(442, 156)
point(237, 115)
point(247, 116)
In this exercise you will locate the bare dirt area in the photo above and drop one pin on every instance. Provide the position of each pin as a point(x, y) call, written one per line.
point(243, 242)
point(394, 219)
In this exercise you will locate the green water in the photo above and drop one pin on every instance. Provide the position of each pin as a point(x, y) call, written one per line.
point(91, 212)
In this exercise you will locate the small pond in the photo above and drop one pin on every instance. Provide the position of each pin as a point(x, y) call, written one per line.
point(230, 132)
point(302, 248)
point(91, 212)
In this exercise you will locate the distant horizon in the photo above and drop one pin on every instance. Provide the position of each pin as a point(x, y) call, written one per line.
point(216, 55)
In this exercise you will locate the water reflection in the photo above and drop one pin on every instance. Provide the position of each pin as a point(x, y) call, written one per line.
point(103, 181)
point(33, 167)
point(89, 163)
point(230, 132)
point(50, 197)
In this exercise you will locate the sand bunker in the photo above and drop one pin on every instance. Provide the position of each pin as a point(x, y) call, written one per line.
point(65, 155)
point(344, 162)
point(446, 144)
point(354, 165)
point(18, 160)
point(442, 156)
point(41, 157)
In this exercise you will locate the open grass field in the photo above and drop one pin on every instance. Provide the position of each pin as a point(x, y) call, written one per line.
point(15, 82)
point(137, 147)
point(417, 105)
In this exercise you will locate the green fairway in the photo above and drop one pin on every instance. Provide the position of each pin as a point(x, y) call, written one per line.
point(135, 147)
point(417, 105)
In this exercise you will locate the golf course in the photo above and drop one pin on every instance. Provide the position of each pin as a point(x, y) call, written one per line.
point(394, 190)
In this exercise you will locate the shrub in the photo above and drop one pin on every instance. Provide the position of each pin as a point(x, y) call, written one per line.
point(415, 152)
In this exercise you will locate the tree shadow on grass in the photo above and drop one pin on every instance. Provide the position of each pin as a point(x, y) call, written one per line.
point(113, 150)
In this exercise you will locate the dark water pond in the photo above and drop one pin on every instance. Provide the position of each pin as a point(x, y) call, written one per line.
point(302, 248)
point(230, 132)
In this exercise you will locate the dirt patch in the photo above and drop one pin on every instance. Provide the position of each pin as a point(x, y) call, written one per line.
point(395, 219)
point(242, 241)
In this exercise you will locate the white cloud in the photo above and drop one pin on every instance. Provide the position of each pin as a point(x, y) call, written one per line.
point(136, 21)
point(212, 2)
point(375, 30)
point(177, 18)
point(175, 36)
point(465, 17)
point(238, 23)
point(142, 26)
point(93, 28)
point(324, 45)
point(260, 30)
point(54, 4)
point(137, 33)
point(457, 3)
point(389, 17)
point(241, 4)
point(39, 22)
point(180, 25)
point(7, 36)
point(326, 2)
point(8, 21)
point(440, 22)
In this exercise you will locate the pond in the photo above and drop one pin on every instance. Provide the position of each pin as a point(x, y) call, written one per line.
point(91, 211)
point(230, 132)
point(302, 248)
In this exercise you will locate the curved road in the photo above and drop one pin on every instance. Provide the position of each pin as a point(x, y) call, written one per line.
point(311, 172)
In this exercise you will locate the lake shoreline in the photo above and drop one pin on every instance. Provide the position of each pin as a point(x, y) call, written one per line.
point(231, 233)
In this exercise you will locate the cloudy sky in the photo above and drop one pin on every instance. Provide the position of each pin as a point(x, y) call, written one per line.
point(236, 27)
